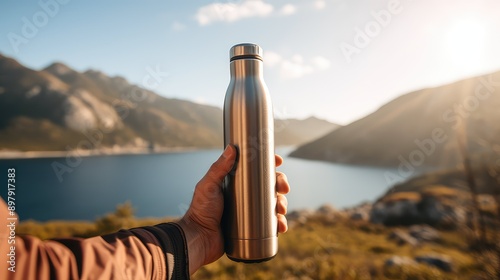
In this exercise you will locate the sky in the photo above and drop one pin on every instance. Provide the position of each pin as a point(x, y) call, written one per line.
point(337, 60)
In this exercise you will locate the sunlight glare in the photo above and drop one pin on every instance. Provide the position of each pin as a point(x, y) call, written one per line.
point(465, 43)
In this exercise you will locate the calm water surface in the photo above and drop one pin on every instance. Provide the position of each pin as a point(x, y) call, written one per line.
point(161, 185)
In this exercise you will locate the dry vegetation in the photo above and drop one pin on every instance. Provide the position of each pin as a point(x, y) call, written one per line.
point(401, 196)
point(322, 248)
point(344, 249)
point(123, 217)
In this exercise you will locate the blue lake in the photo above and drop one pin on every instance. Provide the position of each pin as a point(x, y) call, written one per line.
point(160, 185)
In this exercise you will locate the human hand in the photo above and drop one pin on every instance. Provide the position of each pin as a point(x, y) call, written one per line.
point(201, 223)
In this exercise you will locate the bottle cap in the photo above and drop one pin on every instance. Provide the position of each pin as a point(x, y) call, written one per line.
point(246, 50)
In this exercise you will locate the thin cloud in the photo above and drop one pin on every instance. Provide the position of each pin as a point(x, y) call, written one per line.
point(288, 9)
point(321, 63)
point(295, 66)
point(231, 12)
point(320, 4)
point(272, 59)
point(177, 26)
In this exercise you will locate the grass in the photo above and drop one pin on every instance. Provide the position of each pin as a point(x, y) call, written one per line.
point(123, 217)
point(443, 191)
point(321, 248)
point(345, 250)
point(55, 229)
point(402, 196)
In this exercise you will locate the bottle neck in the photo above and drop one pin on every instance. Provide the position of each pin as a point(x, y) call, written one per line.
point(241, 68)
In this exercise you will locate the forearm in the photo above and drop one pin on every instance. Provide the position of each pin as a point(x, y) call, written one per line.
point(157, 252)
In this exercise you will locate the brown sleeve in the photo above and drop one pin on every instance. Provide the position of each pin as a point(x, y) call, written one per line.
point(156, 252)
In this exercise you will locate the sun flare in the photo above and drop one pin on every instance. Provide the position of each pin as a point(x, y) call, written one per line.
point(465, 42)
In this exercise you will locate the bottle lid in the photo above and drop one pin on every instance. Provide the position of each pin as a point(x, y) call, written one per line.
point(246, 50)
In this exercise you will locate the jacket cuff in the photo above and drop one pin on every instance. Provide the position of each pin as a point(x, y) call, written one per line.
point(173, 243)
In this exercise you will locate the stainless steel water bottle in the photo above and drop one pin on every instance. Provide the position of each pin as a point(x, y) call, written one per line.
point(249, 223)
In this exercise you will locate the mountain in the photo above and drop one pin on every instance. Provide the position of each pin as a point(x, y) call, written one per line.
point(420, 128)
point(58, 109)
point(291, 132)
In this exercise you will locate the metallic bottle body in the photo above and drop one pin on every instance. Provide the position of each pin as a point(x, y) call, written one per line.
point(250, 224)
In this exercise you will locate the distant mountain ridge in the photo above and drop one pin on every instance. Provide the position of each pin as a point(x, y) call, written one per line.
point(420, 128)
point(291, 132)
point(57, 108)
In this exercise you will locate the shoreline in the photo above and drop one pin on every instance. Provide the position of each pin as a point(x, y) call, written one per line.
point(13, 154)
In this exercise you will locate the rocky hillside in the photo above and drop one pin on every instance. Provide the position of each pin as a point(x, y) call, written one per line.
point(440, 198)
point(419, 128)
point(58, 108)
point(487, 181)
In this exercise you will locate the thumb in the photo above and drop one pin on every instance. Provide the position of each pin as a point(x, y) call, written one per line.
point(221, 167)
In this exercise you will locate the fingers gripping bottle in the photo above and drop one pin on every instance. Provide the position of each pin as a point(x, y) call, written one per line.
point(250, 223)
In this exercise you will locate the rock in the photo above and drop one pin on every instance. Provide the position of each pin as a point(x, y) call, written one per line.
point(424, 233)
point(395, 209)
point(399, 261)
point(357, 213)
point(436, 211)
point(403, 238)
point(298, 217)
point(328, 214)
point(327, 209)
point(105, 113)
point(364, 206)
point(77, 115)
point(299, 214)
point(442, 262)
point(360, 216)
point(402, 212)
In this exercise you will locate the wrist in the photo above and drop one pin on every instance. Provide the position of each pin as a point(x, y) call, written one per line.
point(194, 243)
